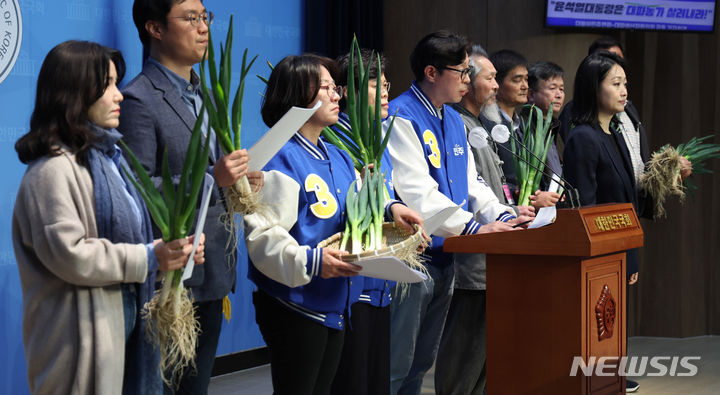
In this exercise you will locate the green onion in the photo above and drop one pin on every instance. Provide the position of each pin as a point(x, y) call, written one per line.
point(529, 160)
point(227, 122)
point(365, 144)
point(173, 325)
point(662, 178)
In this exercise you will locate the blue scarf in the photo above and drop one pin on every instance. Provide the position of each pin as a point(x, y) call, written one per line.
point(116, 221)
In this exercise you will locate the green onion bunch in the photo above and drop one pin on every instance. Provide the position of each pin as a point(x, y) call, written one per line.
point(662, 178)
point(365, 144)
point(697, 152)
point(529, 162)
point(170, 313)
point(227, 121)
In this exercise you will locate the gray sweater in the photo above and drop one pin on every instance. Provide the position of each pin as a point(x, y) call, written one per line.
point(73, 324)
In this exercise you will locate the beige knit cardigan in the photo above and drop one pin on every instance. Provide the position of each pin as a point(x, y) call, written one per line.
point(73, 325)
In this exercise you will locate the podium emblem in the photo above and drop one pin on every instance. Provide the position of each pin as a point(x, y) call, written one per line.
point(605, 314)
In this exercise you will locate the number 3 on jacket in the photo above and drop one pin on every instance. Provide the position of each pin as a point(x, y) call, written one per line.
point(430, 140)
point(326, 205)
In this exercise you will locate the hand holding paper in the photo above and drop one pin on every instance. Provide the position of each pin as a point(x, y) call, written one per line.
point(202, 214)
point(389, 268)
point(271, 142)
point(545, 216)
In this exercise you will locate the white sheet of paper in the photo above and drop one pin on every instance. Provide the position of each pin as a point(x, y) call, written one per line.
point(433, 223)
point(545, 216)
point(271, 142)
point(202, 214)
point(554, 183)
point(389, 268)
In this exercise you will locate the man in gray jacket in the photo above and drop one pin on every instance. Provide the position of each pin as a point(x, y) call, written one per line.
point(158, 114)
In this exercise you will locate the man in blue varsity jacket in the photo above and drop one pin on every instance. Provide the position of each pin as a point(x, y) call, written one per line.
point(433, 168)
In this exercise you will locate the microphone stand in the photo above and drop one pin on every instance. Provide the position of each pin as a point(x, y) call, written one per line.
point(570, 191)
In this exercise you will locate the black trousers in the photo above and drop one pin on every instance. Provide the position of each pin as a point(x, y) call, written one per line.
point(304, 354)
point(460, 365)
point(209, 315)
point(365, 364)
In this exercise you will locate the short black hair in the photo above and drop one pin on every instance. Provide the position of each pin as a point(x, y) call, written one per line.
point(504, 61)
point(343, 64)
point(150, 10)
point(73, 76)
point(543, 71)
point(439, 49)
point(590, 74)
point(603, 44)
point(295, 81)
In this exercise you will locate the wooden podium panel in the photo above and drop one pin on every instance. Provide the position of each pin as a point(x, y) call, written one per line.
point(604, 323)
point(553, 294)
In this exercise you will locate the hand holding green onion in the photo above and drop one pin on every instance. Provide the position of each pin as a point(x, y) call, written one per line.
point(226, 121)
point(175, 254)
point(667, 170)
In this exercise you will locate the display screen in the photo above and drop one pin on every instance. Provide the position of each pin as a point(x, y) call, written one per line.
point(674, 15)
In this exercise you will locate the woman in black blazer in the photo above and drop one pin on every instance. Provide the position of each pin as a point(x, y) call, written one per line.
point(596, 159)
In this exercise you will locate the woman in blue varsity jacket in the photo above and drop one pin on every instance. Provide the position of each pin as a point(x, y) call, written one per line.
point(304, 293)
point(365, 364)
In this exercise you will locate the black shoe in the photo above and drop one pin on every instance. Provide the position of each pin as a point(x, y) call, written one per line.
point(631, 386)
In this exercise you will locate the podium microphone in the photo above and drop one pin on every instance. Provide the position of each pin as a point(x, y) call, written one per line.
point(501, 134)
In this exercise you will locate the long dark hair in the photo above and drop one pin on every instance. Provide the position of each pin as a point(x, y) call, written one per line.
point(73, 76)
point(591, 72)
point(295, 81)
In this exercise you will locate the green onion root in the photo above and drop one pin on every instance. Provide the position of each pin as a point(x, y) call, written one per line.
point(173, 327)
point(662, 178)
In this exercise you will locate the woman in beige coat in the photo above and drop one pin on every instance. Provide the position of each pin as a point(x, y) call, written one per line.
point(82, 236)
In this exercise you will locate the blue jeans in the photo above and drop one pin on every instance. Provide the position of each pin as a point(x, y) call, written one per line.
point(416, 323)
point(142, 358)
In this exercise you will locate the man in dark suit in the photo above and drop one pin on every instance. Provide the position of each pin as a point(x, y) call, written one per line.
point(158, 114)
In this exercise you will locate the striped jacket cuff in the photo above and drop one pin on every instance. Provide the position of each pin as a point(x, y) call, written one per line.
point(505, 217)
point(471, 228)
point(314, 262)
point(388, 205)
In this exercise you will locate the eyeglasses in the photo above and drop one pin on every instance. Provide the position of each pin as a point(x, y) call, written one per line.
point(194, 19)
point(463, 73)
point(385, 86)
point(330, 88)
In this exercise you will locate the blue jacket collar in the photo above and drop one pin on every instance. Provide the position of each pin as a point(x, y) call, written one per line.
point(318, 151)
point(415, 89)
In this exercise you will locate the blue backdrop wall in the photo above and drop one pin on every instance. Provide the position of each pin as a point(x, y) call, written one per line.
point(270, 28)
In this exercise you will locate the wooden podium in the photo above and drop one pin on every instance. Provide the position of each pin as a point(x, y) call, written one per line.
point(554, 293)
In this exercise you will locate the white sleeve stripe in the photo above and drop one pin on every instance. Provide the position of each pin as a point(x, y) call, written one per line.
point(473, 228)
point(506, 217)
point(316, 261)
